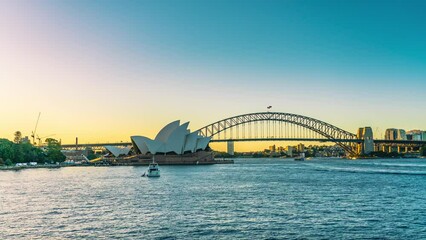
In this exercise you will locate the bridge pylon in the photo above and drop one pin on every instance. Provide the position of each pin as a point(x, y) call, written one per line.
point(230, 148)
point(367, 145)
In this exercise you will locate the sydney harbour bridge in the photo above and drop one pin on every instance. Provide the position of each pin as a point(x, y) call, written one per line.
point(277, 126)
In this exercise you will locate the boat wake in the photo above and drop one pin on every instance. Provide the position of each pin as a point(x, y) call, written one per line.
point(397, 164)
point(368, 170)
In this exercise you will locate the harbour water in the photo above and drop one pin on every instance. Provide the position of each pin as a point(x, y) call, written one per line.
point(253, 198)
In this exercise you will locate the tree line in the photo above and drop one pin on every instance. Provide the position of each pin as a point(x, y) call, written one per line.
point(22, 151)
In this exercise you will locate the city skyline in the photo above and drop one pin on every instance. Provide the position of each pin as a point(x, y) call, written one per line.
point(106, 70)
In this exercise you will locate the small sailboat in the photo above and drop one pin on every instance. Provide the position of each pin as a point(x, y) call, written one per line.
point(153, 170)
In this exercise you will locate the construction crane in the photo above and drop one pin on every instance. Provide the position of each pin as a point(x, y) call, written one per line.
point(40, 138)
point(33, 133)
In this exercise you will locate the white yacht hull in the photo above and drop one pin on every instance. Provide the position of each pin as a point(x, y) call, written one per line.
point(153, 174)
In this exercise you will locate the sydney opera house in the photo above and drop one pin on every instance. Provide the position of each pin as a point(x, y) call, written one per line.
point(174, 144)
point(172, 139)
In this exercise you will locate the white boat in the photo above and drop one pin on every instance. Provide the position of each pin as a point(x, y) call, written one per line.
point(301, 157)
point(152, 171)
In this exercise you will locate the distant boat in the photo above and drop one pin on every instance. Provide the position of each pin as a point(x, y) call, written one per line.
point(153, 170)
point(301, 157)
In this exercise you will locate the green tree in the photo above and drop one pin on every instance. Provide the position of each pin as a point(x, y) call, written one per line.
point(32, 154)
point(53, 151)
point(8, 162)
point(18, 153)
point(423, 151)
point(6, 149)
point(22, 152)
point(18, 137)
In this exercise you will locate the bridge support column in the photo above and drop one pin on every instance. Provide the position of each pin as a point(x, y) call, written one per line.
point(230, 149)
point(377, 147)
point(386, 148)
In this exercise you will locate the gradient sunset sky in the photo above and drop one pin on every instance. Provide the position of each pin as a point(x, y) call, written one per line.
point(106, 70)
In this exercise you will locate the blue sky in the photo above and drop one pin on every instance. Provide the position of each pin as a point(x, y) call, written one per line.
point(349, 63)
point(346, 35)
point(350, 43)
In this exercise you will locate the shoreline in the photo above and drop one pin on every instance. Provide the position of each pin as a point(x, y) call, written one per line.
point(219, 161)
point(16, 168)
point(50, 166)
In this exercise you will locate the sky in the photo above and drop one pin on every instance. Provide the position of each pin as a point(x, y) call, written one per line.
point(106, 70)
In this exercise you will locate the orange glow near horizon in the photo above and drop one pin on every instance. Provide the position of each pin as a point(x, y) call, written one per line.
point(102, 79)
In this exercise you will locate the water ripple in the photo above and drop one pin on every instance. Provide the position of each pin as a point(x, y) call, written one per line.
point(264, 198)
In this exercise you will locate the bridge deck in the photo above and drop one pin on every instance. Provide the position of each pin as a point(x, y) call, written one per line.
point(378, 141)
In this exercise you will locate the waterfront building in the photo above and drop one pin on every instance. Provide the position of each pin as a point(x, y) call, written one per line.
point(290, 151)
point(391, 134)
point(172, 139)
point(75, 156)
point(401, 134)
point(416, 135)
point(301, 148)
point(25, 140)
point(395, 134)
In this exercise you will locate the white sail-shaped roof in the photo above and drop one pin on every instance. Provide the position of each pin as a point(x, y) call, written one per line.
point(118, 151)
point(202, 143)
point(191, 142)
point(139, 144)
point(154, 146)
point(145, 145)
point(164, 133)
point(176, 140)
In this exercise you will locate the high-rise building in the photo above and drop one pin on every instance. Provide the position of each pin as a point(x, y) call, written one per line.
point(301, 148)
point(391, 134)
point(290, 151)
point(401, 135)
point(396, 134)
point(416, 135)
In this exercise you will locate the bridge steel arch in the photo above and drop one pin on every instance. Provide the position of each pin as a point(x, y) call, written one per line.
point(327, 130)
